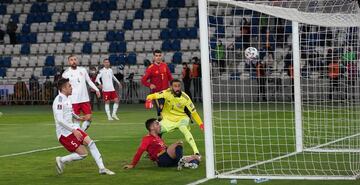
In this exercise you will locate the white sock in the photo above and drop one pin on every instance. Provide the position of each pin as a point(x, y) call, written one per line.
point(107, 109)
point(85, 125)
point(96, 155)
point(115, 108)
point(71, 157)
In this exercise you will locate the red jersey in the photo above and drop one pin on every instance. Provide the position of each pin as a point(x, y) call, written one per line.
point(159, 75)
point(153, 145)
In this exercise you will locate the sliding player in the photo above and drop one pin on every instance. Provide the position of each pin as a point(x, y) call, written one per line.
point(78, 77)
point(174, 111)
point(69, 134)
point(157, 149)
point(107, 76)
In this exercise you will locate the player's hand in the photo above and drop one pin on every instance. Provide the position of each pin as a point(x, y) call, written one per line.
point(148, 104)
point(98, 94)
point(128, 166)
point(100, 86)
point(77, 134)
point(152, 86)
point(202, 127)
point(119, 84)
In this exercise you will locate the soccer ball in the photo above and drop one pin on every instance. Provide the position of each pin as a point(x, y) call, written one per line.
point(251, 53)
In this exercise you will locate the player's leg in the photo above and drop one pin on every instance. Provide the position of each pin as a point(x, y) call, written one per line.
point(96, 155)
point(175, 150)
point(86, 109)
point(189, 138)
point(107, 110)
point(116, 105)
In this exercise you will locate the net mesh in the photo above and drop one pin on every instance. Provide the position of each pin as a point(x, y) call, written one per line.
point(253, 100)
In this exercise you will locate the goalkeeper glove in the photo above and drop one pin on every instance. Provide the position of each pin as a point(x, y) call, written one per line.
point(148, 104)
point(202, 127)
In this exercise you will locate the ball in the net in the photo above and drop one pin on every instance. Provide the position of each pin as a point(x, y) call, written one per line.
point(251, 53)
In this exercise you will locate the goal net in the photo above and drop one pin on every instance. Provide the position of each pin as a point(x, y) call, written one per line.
point(293, 113)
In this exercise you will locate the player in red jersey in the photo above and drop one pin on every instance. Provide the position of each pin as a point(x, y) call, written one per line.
point(157, 149)
point(157, 77)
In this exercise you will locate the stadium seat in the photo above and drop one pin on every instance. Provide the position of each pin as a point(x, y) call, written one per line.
point(128, 24)
point(181, 23)
point(155, 34)
point(163, 23)
point(16, 49)
point(20, 72)
point(139, 47)
point(69, 6)
point(175, 46)
point(50, 61)
point(168, 56)
point(157, 44)
point(119, 24)
point(51, 48)
point(42, 49)
point(84, 36)
point(139, 14)
point(122, 59)
point(155, 3)
point(96, 47)
point(145, 24)
point(58, 36)
point(93, 36)
point(69, 48)
point(71, 17)
point(114, 59)
point(25, 49)
point(129, 35)
point(33, 48)
point(184, 44)
point(58, 60)
point(194, 44)
point(137, 34)
point(87, 48)
point(146, 4)
point(131, 59)
point(173, 34)
point(166, 45)
point(110, 25)
point(156, 14)
point(130, 46)
point(78, 48)
point(66, 37)
point(60, 48)
point(24, 61)
point(137, 24)
point(146, 35)
point(177, 58)
point(95, 60)
point(49, 37)
point(154, 23)
point(101, 36)
point(10, 72)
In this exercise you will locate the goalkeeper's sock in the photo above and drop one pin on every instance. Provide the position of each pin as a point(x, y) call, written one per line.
point(72, 157)
point(115, 108)
point(107, 110)
point(178, 152)
point(96, 155)
point(85, 125)
point(189, 138)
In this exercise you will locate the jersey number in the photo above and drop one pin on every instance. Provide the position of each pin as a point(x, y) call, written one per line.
point(74, 144)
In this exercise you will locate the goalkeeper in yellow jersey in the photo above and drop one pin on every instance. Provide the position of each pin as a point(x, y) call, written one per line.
point(173, 113)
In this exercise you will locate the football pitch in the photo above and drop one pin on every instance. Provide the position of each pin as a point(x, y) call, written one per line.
point(29, 146)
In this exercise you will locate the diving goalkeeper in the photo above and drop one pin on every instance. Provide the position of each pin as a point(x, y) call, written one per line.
point(173, 113)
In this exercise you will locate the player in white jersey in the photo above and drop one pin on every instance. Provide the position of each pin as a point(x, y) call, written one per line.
point(78, 77)
point(69, 133)
point(107, 77)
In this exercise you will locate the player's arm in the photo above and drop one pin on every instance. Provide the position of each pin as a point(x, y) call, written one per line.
point(191, 107)
point(142, 148)
point(59, 116)
point(155, 96)
point(98, 76)
point(115, 79)
point(91, 84)
point(146, 77)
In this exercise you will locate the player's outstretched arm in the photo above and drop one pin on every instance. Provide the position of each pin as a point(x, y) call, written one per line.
point(198, 120)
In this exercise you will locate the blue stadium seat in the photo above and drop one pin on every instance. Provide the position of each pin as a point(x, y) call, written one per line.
point(166, 45)
point(87, 48)
point(2, 74)
point(72, 17)
point(183, 33)
point(172, 23)
point(101, 15)
point(139, 14)
point(113, 47)
point(238, 43)
point(66, 37)
point(176, 46)
point(165, 13)
point(25, 28)
point(122, 47)
point(146, 4)
point(5, 62)
point(114, 59)
point(177, 58)
point(25, 49)
point(84, 25)
point(174, 13)
point(38, 17)
point(165, 34)
point(50, 61)
point(122, 59)
point(110, 36)
point(171, 67)
point(220, 31)
point(103, 5)
point(176, 3)
point(193, 33)
point(49, 71)
point(174, 34)
point(128, 24)
point(288, 29)
point(15, 18)
point(2, 9)
point(119, 36)
point(39, 7)
point(32, 37)
point(131, 59)
point(213, 43)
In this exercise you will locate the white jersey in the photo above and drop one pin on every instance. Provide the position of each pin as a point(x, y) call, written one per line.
point(107, 77)
point(62, 109)
point(78, 79)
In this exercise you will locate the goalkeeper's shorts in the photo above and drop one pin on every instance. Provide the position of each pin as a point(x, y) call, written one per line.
point(169, 126)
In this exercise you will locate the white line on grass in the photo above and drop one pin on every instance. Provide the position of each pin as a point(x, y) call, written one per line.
point(33, 151)
point(199, 181)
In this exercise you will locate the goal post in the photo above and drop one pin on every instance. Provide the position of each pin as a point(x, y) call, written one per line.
point(294, 112)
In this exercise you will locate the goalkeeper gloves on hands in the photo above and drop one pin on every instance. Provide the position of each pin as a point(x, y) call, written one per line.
point(148, 104)
point(202, 127)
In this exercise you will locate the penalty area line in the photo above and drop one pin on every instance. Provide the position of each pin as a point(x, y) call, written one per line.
point(33, 151)
point(200, 181)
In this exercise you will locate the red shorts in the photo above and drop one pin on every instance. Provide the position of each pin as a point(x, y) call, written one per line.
point(85, 107)
point(111, 95)
point(70, 142)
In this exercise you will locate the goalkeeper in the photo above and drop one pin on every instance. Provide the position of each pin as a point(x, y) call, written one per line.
point(173, 113)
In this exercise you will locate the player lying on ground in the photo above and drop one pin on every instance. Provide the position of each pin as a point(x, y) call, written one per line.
point(157, 149)
point(174, 114)
point(78, 77)
point(69, 133)
point(107, 76)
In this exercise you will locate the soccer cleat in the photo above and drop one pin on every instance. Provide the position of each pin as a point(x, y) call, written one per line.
point(115, 117)
point(105, 171)
point(110, 118)
point(181, 163)
point(59, 165)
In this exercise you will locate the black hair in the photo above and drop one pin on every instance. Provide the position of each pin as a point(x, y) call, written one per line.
point(149, 122)
point(156, 51)
point(106, 59)
point(174, 80)
point(61, 83)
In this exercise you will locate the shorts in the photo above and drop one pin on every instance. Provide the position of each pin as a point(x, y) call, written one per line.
point(111, 95)
point(70, 142)
point(168, 126)
point(85, 107)
point(164, 160)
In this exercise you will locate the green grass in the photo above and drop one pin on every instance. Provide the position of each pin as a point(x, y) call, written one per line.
point(25, 128)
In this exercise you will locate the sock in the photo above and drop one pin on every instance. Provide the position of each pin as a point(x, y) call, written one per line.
point(72, 157)
point(189, 138)
point(107, 109)
point(115, 108)
point(96, 155)
point(179, 152)
point(85, 125)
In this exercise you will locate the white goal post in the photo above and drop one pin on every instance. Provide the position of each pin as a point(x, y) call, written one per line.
point(294, 113)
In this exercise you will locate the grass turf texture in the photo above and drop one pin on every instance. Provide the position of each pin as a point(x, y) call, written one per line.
point(25, 128)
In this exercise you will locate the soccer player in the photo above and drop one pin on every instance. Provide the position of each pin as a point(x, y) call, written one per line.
point(157, 149)
point(174, 111)
point(107, 76)
point(78, 77)
point(157, 77)
point(69, 134)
